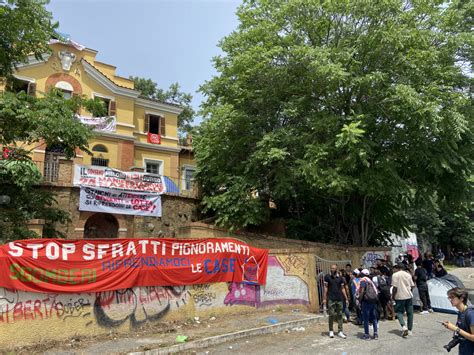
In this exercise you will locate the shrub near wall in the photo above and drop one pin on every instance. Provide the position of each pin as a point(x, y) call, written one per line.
point(38, 317)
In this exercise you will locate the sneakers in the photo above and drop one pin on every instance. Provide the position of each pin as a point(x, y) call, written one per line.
point(331, 334)
point(404, 331)
point(366, 337)
point(376, 336)
point(410, 333)
point(341, 335)
point(431, 310)
point(424, 312)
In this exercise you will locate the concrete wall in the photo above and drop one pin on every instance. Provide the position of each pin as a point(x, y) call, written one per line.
point(35, 317)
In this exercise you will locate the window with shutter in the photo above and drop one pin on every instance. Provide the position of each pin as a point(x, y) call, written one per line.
point(107, 106)
point(17, 85)
point(32, 89)
point(162, 126)
point(112, 108)
point(147, 123)
point(154, 124)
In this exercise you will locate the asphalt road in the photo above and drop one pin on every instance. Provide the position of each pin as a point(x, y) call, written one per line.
point(429, 336)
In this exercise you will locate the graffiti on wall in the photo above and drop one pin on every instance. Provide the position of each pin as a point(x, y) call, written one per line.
point(284, 286)
point(287, 283)
point(137, 305)
point(204, 295)
point(370, 258)
point(13, 307)
point(107, 309)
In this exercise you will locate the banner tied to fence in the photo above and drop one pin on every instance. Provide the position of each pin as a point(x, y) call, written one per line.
point(57, 265)
point(101, 176)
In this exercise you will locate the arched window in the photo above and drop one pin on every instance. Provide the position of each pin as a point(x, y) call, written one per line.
point(66, 88)
point(100, 148)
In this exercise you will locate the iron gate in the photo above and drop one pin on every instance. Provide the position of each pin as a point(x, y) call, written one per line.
point(323, 267)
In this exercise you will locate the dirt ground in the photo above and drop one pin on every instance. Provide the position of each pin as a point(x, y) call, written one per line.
point(158, 335)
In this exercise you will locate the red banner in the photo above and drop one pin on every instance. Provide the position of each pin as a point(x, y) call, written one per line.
point(57, 265)
point(154, 138)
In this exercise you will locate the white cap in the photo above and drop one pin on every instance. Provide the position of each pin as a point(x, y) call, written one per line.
point(365, 272)
point(356, 272)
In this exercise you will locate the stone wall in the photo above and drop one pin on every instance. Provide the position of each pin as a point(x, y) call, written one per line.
point(178, 211)
point(358, 256)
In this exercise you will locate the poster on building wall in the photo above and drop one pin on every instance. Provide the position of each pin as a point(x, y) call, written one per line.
point(102, 124)
point(71, 266)
point(101, 199)
point(101, 176)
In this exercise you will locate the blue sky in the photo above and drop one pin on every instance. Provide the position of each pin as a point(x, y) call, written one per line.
point(165, 40)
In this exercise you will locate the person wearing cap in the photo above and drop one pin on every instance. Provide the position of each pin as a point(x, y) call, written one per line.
point(403, 285)
point(334, 295)
point(368, 295)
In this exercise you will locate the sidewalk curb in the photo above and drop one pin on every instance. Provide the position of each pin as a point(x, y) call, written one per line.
point(219, 339)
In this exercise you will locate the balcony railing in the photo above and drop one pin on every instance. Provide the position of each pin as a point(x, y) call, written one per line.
point(60, 172)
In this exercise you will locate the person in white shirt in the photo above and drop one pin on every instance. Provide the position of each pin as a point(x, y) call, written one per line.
point(403, 285)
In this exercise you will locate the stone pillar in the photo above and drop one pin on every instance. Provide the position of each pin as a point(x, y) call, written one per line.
point(312, 285)
point(174, 169)
point(36, 225)
point(66, 173)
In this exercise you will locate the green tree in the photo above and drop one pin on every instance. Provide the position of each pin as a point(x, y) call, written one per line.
point(25, 27)
point(344, 113)
point(150, 90)
point(26, 122)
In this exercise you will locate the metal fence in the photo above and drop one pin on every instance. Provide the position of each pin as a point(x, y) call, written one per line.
point(323, 267)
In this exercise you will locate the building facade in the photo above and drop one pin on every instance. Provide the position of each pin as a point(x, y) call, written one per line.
point(136, 135)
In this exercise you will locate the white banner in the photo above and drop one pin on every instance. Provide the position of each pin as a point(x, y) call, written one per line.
point(102, 124)
point(101, 176)
point(121, 202)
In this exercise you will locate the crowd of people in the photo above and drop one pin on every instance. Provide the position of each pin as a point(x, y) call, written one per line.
point(383, 291)
point(463, 258)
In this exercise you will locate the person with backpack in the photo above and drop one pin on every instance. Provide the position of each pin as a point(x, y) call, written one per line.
point(402, 286)
point(464, 327)
point(383, 286)
point(368, 295)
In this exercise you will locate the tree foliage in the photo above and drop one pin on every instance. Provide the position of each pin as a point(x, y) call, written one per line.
point(25, 27)
point(345, 113)
point(27, 122)
point(149, 89)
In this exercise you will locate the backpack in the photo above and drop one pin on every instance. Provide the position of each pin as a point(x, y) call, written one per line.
point(383, 285)
point(370, 294)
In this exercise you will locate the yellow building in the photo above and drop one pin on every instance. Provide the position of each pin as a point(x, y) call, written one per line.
point(143, 135)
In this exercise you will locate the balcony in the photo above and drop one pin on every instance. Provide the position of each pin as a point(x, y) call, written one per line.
point(61, 172)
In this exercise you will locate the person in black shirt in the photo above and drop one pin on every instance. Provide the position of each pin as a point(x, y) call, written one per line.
point(440, 271)
point(464, 327)
point(428, 265)
point(421, 279)
point(334, 296)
